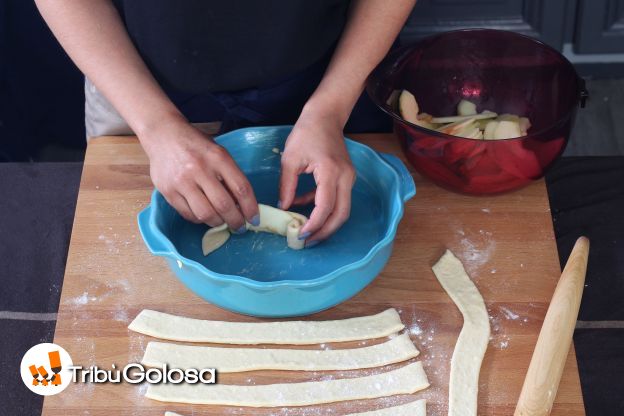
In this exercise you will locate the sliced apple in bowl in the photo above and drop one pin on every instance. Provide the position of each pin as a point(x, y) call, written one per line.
point(468, 123)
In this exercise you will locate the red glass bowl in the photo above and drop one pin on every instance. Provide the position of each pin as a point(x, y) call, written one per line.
point(500, 71)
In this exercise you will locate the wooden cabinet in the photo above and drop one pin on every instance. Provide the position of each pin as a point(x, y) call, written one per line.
point(600, 26)
point(543, 19)
point(590, 26)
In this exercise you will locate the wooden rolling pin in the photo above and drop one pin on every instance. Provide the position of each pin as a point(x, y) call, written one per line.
point(544, 374)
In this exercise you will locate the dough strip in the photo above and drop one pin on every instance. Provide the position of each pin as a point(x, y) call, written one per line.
point(177, 328)
point(473, 338)
point(405, 380)
point(416, 408)
point(232, 360)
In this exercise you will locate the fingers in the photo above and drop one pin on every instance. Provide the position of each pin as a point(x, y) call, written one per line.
point(201, 181)
point(242, 192)
point(324, 202)
point(222, 202)
point(201, 207)
point(178, 202)
point(194, 205)
point(288, 184)
point(339, 215)
point(305, 199)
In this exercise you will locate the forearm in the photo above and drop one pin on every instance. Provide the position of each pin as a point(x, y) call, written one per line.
point(372, 27)
point(93, 35)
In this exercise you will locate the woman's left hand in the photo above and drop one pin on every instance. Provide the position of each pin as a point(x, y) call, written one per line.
point(316, 145)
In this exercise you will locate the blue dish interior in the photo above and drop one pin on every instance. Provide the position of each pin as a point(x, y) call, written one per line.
point(265, 257)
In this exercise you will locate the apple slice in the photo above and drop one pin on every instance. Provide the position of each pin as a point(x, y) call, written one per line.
point(508, 117)
point(507, 129)
point(466, 108)
point(523, 122)
point(214, 238)
point(525, 125)
point(408, 107)
point(475, 134)
point(490, 128)
point(483, 123)
point(454, 129)
point(424, 120)
point(453, 119)
point(470, 131)
point(425, 117)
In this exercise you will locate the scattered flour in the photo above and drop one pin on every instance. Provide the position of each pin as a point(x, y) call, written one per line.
point(476, 254)
point(121, 315)
point(140, 390)
point(509, 314)
point(82, 299)
point(504, 343)
point(415, 329)
point(495, 325)
point(110, 243)
point(98, 292)
point(136, 349)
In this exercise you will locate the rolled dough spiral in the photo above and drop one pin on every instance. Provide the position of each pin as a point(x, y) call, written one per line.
point(272, 220)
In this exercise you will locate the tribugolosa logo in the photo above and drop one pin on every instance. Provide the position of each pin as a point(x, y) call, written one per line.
point(48, 369)
point(45, 369)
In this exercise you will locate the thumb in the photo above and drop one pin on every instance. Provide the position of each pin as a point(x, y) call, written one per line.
point(288, 185)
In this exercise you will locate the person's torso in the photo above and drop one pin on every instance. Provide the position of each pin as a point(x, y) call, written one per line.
point(199, 46)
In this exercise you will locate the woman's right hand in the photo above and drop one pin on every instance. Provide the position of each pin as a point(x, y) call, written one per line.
point(198, 177)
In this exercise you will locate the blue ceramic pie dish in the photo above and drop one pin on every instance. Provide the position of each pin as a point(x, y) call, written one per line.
point(256, 273)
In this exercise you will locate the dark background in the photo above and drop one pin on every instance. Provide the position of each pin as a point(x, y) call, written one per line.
point(41, 96)
point(42, 119)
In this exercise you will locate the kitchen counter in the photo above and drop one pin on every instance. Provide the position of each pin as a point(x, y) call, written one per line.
point(507, 244)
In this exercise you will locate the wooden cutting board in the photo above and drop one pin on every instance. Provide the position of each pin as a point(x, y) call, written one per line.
point(506, 242)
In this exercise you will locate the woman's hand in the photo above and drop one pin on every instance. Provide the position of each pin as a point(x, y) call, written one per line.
point(198, 177)
point(316, 146)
